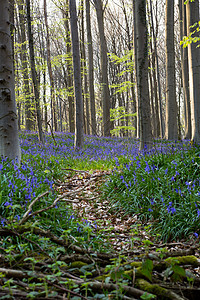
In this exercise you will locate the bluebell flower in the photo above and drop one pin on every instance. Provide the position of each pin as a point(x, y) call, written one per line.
point(152, 202)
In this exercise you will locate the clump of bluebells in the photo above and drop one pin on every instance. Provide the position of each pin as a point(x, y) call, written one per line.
point(156, 184)
point(163, 187)
point(40, 166)
point(19, 185)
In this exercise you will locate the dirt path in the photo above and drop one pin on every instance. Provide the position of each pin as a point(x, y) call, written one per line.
point(125, 233)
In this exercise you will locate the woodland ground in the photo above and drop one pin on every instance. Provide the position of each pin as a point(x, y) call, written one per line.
point(104, 222)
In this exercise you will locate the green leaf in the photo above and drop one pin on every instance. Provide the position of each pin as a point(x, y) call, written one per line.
point(47, 171)
point(147, 296)
point(147, 268)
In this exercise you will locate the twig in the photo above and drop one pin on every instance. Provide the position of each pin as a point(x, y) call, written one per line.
point(48, 123)
point(28, 216)
point(24, 218)
point(74, 170)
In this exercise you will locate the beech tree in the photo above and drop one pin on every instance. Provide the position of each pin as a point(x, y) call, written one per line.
point(78, 143)
point(185, 71)
point(90, 68)
point(24, 65)
point(34, 74)
point(145, 130)
point(192, 13)
point(9, 137)
point(68, 72)
point(156, 78)
point(104, 67)
point(171, 128)
point(51, 79)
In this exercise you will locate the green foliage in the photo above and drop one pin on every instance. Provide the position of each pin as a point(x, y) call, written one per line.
point(187, 40)
point(125, 60)
point(119, 113)
point(145, 185)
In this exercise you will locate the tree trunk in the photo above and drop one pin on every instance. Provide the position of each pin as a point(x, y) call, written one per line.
point(24, 64)
point(69, 71)
point(52, 85)
point(78, 143)
point(84, 72)
point(104, 68)
point(34, 75)
point(90, 69)
point(192, 12)
point(185, 70)
point(136, 68)
point(9, 137)
point(42, 53)
point(142, 75)
point(171, 132)
point(158, 101)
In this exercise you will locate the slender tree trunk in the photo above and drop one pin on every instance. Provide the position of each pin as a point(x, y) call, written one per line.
point(42, 53)
point(171, 132)
point(91, 68)
point(24, 64)
point(34, 75)
point(192, 12)
point(158, 102)
point(104, 68)
point(185, 71)
point(84, 75)
point(9, 137)
point(152, 95)
point(136, 68)
point(155, 87)
point(69, 71)
point(142, 75)
point(52, 85)
point(79, 139)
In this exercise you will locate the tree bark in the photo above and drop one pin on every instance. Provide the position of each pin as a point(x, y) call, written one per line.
point(90, 68)
point(136, 68)
point(104, 68)
point(78, 143)
point(156, 73)
point(24, 63)
point(185, 71)
point(52, 85)
point(84, 73)
point(192, 13)
point(171, 128)
point(9, 137)
point(142, 75)
point(33, 73)
point(69, 71)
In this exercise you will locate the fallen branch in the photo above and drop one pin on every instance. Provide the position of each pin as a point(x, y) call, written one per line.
point(130, 291)
point(157, 290)
point(28, 216)
point(24, 218)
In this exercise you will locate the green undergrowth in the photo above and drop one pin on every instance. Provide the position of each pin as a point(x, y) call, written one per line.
point(161, 188)
point(41, 233)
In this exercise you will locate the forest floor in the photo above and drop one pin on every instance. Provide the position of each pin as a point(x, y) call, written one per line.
point(131, 240)
point(62, 238)
point(132, 265)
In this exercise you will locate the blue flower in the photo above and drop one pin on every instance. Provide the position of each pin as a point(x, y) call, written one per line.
point(196, 234)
